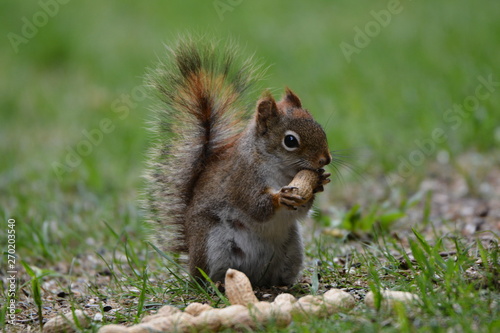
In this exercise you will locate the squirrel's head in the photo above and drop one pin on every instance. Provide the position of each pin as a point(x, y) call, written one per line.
point(289, 132)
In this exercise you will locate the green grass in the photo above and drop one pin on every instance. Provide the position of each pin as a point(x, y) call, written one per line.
point(381, 111)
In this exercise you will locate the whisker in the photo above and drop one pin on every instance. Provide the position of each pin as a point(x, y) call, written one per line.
point(329, 118)
point(338, 174)
point(351, 167)
point(341, 161)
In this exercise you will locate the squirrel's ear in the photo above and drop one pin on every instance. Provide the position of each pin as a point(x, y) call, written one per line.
point(267, 111)
point(291, 98)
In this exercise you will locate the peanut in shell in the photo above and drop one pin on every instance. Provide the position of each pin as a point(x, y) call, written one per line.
point(238, 288)
point(66, 322)
point(304, 182)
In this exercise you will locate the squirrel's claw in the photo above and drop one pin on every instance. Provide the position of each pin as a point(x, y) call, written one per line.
point(323, 180)
point(288, 188)
point(318, 189)
point(289, 199)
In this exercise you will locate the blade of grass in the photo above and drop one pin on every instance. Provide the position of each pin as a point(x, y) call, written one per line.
point(35, 288)
point(132, 260)
point(180, 279)
point(142, 295)
point(214, 287)
point(422, 241)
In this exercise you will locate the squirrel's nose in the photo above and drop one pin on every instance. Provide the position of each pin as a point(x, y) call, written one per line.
point(325, 160)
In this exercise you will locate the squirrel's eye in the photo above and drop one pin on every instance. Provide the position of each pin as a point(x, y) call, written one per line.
point(291, 141)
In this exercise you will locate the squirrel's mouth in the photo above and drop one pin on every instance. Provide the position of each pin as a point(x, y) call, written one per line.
point(308, 166)
point(310, 169)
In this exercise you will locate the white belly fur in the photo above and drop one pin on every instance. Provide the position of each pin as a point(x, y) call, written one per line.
point(271, 251)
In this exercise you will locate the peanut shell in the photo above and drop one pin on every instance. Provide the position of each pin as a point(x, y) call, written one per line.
point(336, 299)
point(112, 328)
point(305, 181)
point(178, 322)
point(208, 321)
point(66, 322)
point(195, 309)
point(285, 298)
point(238, 288)
point(390, 297)
point(168, 310)
point(305, 310)
point(164, 311)
point(234, 315)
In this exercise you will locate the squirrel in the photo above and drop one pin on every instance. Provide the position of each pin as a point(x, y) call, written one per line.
point(218, 171)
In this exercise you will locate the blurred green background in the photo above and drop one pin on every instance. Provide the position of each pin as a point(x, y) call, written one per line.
point(71, 70)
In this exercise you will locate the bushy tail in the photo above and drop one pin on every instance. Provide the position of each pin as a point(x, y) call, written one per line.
point(202, 87)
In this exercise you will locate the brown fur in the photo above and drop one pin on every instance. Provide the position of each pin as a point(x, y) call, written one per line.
point(204, 102)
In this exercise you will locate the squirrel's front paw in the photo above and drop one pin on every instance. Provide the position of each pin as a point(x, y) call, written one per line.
point(289, 199)
point(323, 180)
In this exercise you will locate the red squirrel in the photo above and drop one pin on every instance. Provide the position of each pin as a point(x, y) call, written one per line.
point(218, 173)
